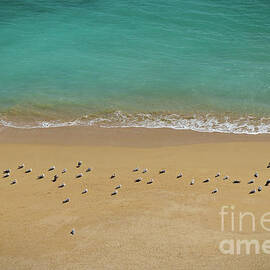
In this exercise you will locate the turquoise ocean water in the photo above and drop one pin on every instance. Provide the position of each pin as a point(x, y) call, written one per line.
point(193, 64)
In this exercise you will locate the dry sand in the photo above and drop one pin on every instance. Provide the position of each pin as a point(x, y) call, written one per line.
point(165, 225)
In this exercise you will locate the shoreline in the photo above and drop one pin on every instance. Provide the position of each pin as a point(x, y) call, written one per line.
point(129, 137)
point(200, 121)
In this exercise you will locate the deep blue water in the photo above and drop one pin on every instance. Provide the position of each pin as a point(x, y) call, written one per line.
point(136, 63)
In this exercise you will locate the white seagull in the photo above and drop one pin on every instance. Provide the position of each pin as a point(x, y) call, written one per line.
point(138, 180)
point(85, 191)
point(236, 182)
point(6, 171)
point(55, 178)
point(66, 200)
point(51, 168)
point(41, 176)
point(150, 182)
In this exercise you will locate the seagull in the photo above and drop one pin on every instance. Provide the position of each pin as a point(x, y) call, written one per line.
point(88, 170)
point(7, 171)
point(268, 166)
point(64, 171)
point(138, 180)
point(267, 182)
point(66, 200)
point(236, 181)
point(114, 193)
point(55, 178)
point(21, 166)
point(145, 171)
point(179, 175)
point(62, 185)
point(259, 188)
point(41, 176)
point(79, 164)
point(252, 191)
point(226, 177)
point(113, 176)
point(162, 171)
point(206, 180)
point(79, 175)
point(192, 182)
point(150, 182)
point(251, 181)
point(217, 175)
point(119, 186)
point(51, 169)
point(85, 191)
point(13, 182)
point(72, 231)
point(215, 191)
point(28, 171)
point(256, 174)
point(6, 175)
point(136, 169)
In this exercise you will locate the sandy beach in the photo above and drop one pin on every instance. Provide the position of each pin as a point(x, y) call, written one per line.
point(168, 224)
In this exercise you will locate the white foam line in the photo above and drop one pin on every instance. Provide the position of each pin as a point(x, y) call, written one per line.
point(207, 123)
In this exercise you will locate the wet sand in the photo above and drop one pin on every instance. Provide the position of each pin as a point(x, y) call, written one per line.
point(168, 224)
point(129, 137)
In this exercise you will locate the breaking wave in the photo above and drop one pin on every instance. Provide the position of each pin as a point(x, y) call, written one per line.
point(196, 122)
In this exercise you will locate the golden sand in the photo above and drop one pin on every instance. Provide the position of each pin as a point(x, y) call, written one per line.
point(168, 224)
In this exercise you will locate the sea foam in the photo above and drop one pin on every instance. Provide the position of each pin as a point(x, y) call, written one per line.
point(200, 123)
